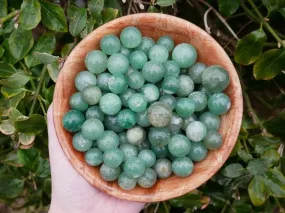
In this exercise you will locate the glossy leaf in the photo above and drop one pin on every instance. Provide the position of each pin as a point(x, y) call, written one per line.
point(152, 9)
point(269, 64)
point(53, 17)
point(249, 48)
point(109, 14)
point(275, 183)
point(189, 200)
point(45, 58)
point(25, 139)
point(271, 157)
point(18, 46)
point(8, 92)
point(6, 127)
point(256, 167)
point(66, 49)
point(4, 8)
point(7, 27)
point(276, 125)
point(10, 186)
point(13, 102)
point(282, 11)
point(256, 191)
point(28, 157)
point(17, 80)
point(49, 94)
point(13, 114)
point(32, 126)
point(42, 168)
point(233, 170)
point(228, 7)
point(53, 70)
point(7, 57)
point(45, 44)
point(6, 70)
point(114, 4)
point(30, 14)
point(2, 50)
point(89, 27)
point(263, 143)
point(78, 18)
point(165, 3)
point(244, 155)
point(12, 159)
point(95, 7)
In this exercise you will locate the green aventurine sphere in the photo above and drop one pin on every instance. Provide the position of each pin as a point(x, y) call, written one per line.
point(166, 41)
point(136, 135)
point(198, 151)
point(185, 107)
point(142, 119)
point(134, 167)
point(92, 95)
point(118, 64)
point(80, 143)
point(95, 112)
point(109, 173)
point(179, 145)
point(129, 151)
point(148, 157)
point(113, 157)
point(135, 80)
point(148, 179)
point(125, 96)
point(213, 140)
point(159, 114)
point(111, 123)
point(186, 86)
point(195, 72)
point(92, 129)
point(131, 37)
point(219, 103)
point(153, 71)
point(137, 103)
point(108, 140)
point(118, 83)
point(125, 182)
point(73, 120)
point(103, 80)
point(158, 53)
point(215, 79)
point(170, 85)
point(110, 44)
point(93, 157)
point(160, 152)
point(126, 51)
point(172, 69)
point(110, 104)
point(77, 102)
point(159, 136)
point(196, 131)
point(96, 61)
point(145, 44)
point(169, 100)
point(199, 99)
point(84, 79)
point(126, 118)
point(163, 168)
point(211, 121)
point(138, 59)
point(185, 55)
point(182, 167)
point(150, 92)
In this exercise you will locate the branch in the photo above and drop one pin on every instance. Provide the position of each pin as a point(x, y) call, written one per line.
point(8, 17)
point(207, 28)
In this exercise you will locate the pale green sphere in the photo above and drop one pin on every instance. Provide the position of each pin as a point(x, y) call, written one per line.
point(172, 69)
point(153, 71)
point(110, 44)
point(195, 72)
point(96, 61)
point(166, 41)
point(118, 83)
point(110, 104)
point(84, 79)
point(92, 129)
point(158, 53)
point(131, 37)
point(138, 59)
point(118, 64)
point(185, 55)
point(186, 86)
point(92, 95)
point(150, 92)
point(145, 44)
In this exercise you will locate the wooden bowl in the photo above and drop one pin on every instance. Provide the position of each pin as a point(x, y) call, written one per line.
point(209, 52)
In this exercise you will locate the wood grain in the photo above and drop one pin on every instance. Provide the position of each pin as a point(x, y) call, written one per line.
point(209, 52)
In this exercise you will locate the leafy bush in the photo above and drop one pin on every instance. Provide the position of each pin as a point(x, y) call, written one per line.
point(36, 36)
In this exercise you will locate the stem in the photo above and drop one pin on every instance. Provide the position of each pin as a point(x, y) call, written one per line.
point(279, 204)
point(29, 73)
point(268, 27)
point(270, 44)
point(264, 102)
point(42, 106)
point(224, 209)
point(165, 207)
point(8, 17)
point(38, 89)
point(245, 146)
point(249, 12)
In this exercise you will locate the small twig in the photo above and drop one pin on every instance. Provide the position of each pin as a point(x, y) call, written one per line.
point(42, 106)
point(245, 146)
point(280, 88)
point(130, 6)
point(207, 28)
point(8, 17)
point(189, 2)
point(165, 207)
point(156, 207)
point(135, 6)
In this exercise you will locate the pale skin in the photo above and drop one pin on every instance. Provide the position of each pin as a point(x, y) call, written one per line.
point(71, 192)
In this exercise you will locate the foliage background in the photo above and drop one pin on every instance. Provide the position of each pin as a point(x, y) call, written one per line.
point(36, 36)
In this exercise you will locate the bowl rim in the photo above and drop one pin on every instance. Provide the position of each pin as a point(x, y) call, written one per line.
point(107, 187)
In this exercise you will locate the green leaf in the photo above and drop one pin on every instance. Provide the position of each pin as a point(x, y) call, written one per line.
point(47, 187)
point(269, 64)
point(189, 200)
point(13, 114)
point(28, 157)
point(45, 44)
point(30, 14)
point(236, 148)
point(271, 157)
point(12, 159)
point(53, 17)
point(256, 191)
point(2, 50)
point(6, 70)
point(275, 183)
point(263, 143)
point(10, 186)
point(95, 7)
point(233, 170)
point(32, 125)
point(114, 4)
point(66, 49)
point(4, 8)
point(256, 167)
point(244, 155)
point(228, 7)
point(46, 58)
point(18, 46)
point(25, 139)
point(7, 27)
point(109, 14)
point(10, 92)
point(13, 102)
point(17, 80)
point(165, 3)
point(49, 94)
point(7, 54)
point(6, 127)
point(89, 27)
point(276, 125)
point(42, 168)
point(249, 48)
point(152, 9)
point(53, 70)
point(282, 11)
point(78, 18)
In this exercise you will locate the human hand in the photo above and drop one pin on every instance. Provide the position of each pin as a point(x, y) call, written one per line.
point(71, 193)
